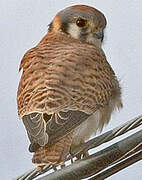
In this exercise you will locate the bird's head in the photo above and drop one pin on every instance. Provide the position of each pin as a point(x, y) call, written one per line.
point(80, 22)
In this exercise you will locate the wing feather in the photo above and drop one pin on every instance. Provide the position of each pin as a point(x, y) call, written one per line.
point(36, 128)
point(61, 125)
point(41, 133)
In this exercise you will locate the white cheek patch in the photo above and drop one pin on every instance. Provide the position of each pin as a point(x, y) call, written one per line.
point(74, 30)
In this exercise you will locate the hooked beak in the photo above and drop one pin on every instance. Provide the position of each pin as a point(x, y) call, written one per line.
point(100, 35)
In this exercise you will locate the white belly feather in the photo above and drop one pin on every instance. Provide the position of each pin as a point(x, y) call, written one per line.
point(95, 122)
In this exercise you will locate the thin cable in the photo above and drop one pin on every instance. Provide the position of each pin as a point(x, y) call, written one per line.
point(119, 166)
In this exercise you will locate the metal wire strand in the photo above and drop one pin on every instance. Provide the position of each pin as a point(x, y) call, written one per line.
point(119, 166)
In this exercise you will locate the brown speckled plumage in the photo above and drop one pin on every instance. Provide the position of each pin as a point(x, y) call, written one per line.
point(64, 74)
point(57, 75)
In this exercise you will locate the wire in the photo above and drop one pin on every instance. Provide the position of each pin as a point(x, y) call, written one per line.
point(118, 167)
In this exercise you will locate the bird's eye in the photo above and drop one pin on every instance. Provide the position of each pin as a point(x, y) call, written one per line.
point(81, 22)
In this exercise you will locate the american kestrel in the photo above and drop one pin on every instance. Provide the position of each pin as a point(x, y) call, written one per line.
point(68, 90)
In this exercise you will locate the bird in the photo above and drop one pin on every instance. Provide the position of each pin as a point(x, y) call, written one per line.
point(68, 90)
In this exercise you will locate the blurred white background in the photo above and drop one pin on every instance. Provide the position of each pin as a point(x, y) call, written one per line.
point(22, 24)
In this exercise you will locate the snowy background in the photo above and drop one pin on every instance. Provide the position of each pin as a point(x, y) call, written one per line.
point(22, 24)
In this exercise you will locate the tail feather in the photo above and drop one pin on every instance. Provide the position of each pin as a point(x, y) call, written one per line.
point(54, 154)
